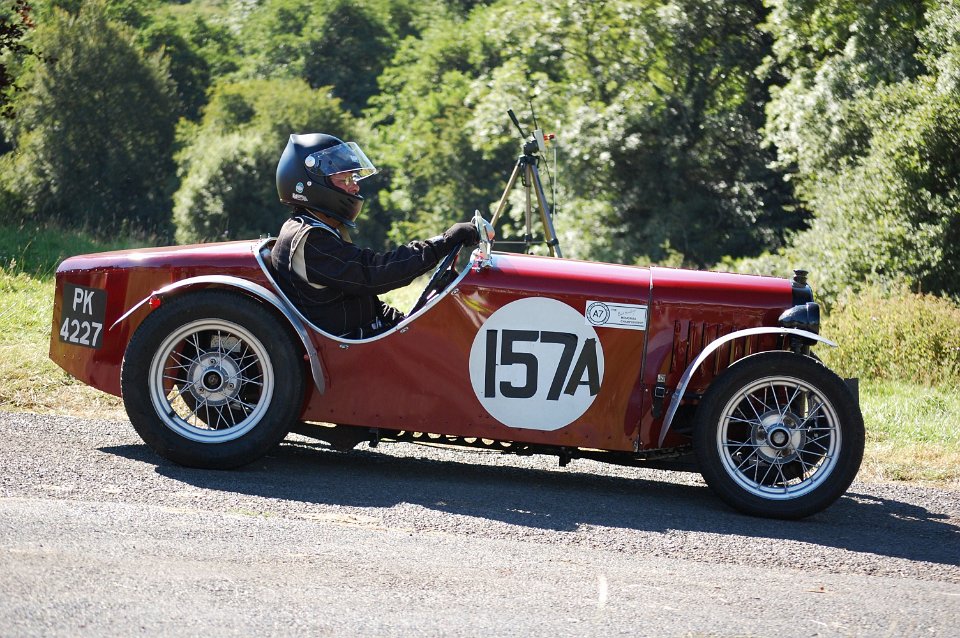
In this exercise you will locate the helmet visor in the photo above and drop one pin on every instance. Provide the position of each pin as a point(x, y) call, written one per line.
point(342, 158)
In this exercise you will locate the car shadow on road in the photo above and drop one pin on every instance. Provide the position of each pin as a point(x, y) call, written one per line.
point(564, 499)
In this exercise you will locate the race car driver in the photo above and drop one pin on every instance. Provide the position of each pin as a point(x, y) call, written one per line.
point(332, 281)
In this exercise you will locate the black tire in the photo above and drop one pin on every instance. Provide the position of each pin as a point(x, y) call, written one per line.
point(779, 435)
point(212, 379)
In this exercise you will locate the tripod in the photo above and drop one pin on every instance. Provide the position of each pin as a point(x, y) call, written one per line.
point(526, 168)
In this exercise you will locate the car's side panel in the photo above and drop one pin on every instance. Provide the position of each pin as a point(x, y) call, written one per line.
point(416, 378)
point(691, 309)
point(419, 378)
point(128, 277)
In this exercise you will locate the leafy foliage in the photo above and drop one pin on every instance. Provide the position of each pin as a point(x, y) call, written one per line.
point(93, 127)
point(342, 44)
point(228, 189)
point(198, 50)
point(690, 171)
point(898, 336)
point(14, 22)
point(656, 108)
point(869, 121)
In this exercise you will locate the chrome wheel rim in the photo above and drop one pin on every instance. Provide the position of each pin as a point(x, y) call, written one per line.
point(779, 438)
point(211, 381)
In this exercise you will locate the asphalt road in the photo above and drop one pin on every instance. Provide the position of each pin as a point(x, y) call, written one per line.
point(100, 536)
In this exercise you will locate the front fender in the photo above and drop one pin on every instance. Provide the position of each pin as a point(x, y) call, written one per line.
point(707, 351)
point(225, 281)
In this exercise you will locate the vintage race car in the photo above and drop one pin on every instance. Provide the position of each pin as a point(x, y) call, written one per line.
point(661, 367)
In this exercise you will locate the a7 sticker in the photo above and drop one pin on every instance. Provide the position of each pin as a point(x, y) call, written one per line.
point(536, 364)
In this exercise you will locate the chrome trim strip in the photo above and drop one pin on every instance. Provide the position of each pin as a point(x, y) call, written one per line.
point(316, 366)
point(132, 310)
point(400, 327)
point(713, 345)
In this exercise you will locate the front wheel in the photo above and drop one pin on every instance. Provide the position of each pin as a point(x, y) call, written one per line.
point(212, 379)
point(779, 435)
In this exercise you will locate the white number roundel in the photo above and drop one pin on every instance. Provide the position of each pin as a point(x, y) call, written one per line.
point(536, 364)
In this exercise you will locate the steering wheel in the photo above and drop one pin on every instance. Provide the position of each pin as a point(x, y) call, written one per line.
point(440, 278)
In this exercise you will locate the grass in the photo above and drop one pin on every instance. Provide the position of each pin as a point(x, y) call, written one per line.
point(913, 429)
point(37, 249)
point(29, 380)
point(913, 432)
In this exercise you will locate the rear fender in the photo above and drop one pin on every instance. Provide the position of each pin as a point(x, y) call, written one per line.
point(707, 351)
point(250, 288)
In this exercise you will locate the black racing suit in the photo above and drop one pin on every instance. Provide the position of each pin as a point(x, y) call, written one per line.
point(335, 284)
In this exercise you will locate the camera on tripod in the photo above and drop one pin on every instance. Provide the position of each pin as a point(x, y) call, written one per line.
point(527, 169)
point(538, 143)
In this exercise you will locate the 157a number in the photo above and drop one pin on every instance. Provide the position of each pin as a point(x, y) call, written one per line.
point(501, 351)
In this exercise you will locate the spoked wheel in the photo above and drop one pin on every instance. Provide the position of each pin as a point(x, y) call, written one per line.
point(212, 380)
point(779, 435)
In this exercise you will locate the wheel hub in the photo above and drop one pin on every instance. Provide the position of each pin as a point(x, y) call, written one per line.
point(777, 438)
point(214, 379)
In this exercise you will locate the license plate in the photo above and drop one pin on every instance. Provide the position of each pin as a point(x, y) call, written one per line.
point(82, 315)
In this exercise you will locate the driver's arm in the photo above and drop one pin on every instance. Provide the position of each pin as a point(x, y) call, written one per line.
point(330, 261)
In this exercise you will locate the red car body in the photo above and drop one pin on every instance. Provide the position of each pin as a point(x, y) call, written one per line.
point(532, 353)
point(430, 390)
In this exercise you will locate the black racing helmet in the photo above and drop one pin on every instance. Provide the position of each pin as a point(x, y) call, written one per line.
point(306, 166)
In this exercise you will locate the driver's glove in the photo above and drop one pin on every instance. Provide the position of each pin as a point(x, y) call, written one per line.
point(463, 233)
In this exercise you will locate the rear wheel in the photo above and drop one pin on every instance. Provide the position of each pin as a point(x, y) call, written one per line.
point(779, 435)
point(212, 379)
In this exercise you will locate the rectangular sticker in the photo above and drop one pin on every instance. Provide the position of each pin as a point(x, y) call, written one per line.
point(81, 315)
point(603, 314)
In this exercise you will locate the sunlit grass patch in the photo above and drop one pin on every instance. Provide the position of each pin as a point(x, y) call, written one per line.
point(901, 412)
point(29, 380)
point(913, 432)
point(27, 306)
point(37, 250)
point(888, 461)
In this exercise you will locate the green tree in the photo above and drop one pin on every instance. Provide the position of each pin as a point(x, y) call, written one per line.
point(435, 174)
point(342, 44)
point(868, 121)
point(15, 21)
point(689, 167)
point(135, 14)
point(198, 51)
point(655, 104)
point(94, 127)
point(831, 53)
point(229, 189)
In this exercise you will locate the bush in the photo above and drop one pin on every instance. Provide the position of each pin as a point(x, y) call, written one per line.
point(228, 188)
point(902, 337)
point(92, 130)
